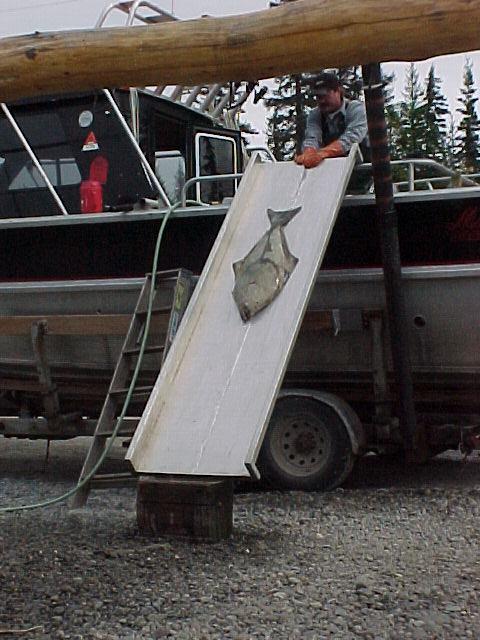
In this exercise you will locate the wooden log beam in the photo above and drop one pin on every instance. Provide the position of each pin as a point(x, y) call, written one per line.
point(297, 36)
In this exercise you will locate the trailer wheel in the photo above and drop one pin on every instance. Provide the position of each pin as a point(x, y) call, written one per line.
point(306, 446)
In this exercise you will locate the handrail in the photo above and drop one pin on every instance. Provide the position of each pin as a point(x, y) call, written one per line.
point(366, 165)
point(436, 179)
point(192, 181)
point(130, 8)
point(411, 163)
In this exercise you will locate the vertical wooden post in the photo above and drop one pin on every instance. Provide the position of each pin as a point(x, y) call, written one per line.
point(388, 228)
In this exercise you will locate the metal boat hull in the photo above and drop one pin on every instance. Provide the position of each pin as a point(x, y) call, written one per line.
point(443, 306)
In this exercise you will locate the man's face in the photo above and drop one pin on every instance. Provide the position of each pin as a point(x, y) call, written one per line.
point(329, 101)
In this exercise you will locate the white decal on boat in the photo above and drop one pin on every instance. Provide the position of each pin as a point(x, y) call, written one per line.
point(85, 119)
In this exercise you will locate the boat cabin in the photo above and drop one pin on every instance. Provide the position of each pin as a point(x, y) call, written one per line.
point(80, 175)
point(85, 181)
point(79, 140)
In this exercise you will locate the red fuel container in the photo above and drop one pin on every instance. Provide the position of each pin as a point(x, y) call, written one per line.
point(91, 196)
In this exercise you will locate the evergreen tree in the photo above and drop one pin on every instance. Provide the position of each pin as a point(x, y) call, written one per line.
point(436, 112)
point(411, 139)
point(351, 79)
point(468, 153)
point(451, 147)
point(392, 116)
point(285, 122)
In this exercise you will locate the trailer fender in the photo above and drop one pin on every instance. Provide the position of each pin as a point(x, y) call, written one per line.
point(347, 415)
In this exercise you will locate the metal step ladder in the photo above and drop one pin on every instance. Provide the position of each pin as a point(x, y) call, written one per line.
point(171, 293)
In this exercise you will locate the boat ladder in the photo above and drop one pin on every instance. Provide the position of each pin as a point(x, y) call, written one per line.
point(165, 319)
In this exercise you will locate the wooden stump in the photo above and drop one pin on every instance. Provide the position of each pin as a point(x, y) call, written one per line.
point(193, 508)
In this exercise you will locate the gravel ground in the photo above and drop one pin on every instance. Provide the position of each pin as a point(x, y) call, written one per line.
point(393, 555)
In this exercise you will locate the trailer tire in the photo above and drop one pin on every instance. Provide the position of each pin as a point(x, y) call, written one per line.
point(306, 446)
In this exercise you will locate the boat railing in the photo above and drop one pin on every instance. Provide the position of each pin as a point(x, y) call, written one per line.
point(411, 184)
point(132, 10)
point(199, 179)
point(441, 175)
point(447, 176)
point(430, 182)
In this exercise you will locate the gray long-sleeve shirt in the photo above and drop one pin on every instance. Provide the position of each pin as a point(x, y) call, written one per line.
point(348, 125)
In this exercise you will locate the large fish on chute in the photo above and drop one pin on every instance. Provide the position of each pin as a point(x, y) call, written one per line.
point(264, 271)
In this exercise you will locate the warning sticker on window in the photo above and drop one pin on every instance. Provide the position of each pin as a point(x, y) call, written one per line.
point(90, 143)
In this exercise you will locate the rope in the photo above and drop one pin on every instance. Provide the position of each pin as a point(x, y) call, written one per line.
point(82, 483)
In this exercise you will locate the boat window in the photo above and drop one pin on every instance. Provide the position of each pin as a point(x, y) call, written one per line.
point(170, 170)
point(60, 172)
point(215, 156)
point(68, 136)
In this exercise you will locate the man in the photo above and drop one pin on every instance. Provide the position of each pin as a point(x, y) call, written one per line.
point(334, 125)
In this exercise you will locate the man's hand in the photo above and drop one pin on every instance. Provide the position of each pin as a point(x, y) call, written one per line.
point(306, 157)
point(298, 159)
point(333, 150)
point(313, 157)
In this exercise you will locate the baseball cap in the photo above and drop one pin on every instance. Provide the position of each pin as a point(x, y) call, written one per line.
point(324, 82)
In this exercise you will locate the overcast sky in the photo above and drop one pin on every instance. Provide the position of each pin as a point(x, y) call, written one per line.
point(26, 16)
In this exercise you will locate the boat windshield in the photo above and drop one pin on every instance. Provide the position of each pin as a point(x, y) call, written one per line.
point(81, 146)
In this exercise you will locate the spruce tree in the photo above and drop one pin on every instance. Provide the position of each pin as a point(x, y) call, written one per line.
point(411, 139)
point(392, 116)
point(351, 79)
point(468, 153)
point(436, 112)
point(451, 146)
point(285, 121)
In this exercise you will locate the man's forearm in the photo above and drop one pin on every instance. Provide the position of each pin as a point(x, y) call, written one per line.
point(356, 129)
point(313, 132)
